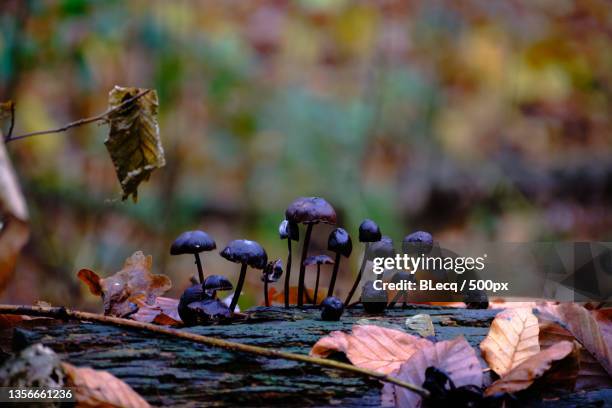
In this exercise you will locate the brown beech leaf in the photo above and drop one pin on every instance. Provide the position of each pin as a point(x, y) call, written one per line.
point(163, 312)
point(524, 374)
point(372, 347)
point(590, 373)
point(456, 357)
point(14, 229)
point(125, 290)
point(279, 297)
point(96, 388)
point(512, 338)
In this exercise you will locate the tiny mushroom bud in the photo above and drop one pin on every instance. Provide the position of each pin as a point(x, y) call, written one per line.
point(318, 260)
point(247, 253)
point(214, 283)
point(417, 243)
point(368, 232)
point(331, 309)
point(308, 211)
point(271, 273)
point(291, 232)
point(193, 242)
point(192, 294)
point(373, 300)
point(339, 242)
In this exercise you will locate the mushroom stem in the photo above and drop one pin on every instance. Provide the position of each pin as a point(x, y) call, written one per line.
point(359, 275)
point(200, 269)
point(302, 266)
point(266, 292)
point(316, 292)
point(287, 281)
point(332, 282)
point(238, 288)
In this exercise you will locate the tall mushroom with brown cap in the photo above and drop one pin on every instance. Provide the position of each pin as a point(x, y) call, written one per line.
point(193, 242)
point(368, 232)
point(339, 241)
point(248, 253)
point(318, 260)
point(289, 231)
point(308, 211)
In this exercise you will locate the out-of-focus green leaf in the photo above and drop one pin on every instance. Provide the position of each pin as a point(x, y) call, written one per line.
point(133, 142)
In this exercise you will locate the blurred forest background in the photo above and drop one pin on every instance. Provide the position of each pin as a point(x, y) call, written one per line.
point(476, 120)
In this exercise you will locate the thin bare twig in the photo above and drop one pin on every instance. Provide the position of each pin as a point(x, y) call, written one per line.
point(63, 313)
point(80, 122)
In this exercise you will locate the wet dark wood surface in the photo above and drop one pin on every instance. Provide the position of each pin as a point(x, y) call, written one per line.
point(174, 372)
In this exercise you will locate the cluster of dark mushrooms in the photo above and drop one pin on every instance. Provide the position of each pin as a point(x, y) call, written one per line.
point(199, 304)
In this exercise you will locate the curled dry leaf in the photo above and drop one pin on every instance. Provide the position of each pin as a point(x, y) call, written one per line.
point(14, 229)
point(126, 289)
point(133, 141)
point(421, 324)
point(96, 388)
point(455, 357)
point(512, 338)
point(372, 347)
point(523, 375)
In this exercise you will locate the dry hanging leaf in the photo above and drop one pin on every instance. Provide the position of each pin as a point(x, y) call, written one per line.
point(96, 388)
point(523, 375)
point(512, 338)
point(421, 324)
point(590, 373)
point(14, 229)
point(133, 142)
point(455, 357)
point(131, 286)
point(372, 347)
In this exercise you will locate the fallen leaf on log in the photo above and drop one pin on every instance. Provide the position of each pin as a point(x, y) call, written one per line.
point(372, 347)
point(126, 289)
point(512, 338)
point(455, 357)
point(14, 229)
point(421, 324)
point(523, 375)
point(164, 311)
point(133, 141)
point(97, 389)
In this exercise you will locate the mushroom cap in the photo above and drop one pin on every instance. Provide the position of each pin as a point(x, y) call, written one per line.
point(331, 309)
point(217, 282)
point(273, 271)
point(340, 241)
point(192, 242)
point(210, 309)
point(246, 252)
point(289, 230)
point(318, 260)
point(310, 210)
point(382, 248)
point(192, 294)
point(369, 231)
point(418, 242)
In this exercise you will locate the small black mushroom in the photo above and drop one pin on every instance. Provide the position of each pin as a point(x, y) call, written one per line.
point(209, 311)
point(308, 211)
point(397, 278)
point(318, 260)
point(417, 243)
point(331, 309)
point(373, 300)
point(339, 241)
point(192, 294)
point(247, 253)
point(289, 231)
point(214, 283)
point(368, 232)
point(271, 273)
point(382, 249)
point(193, 242)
